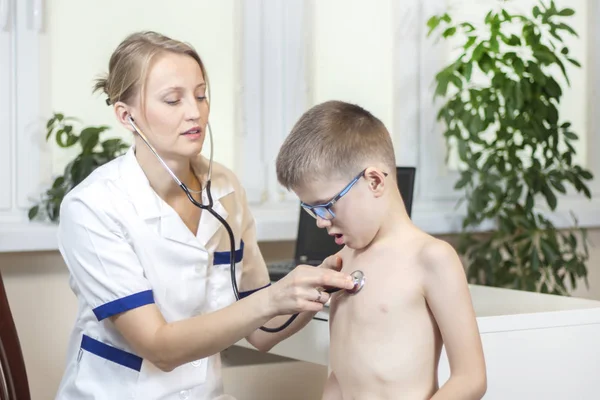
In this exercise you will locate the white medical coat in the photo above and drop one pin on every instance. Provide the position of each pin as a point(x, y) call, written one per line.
point(125, 248)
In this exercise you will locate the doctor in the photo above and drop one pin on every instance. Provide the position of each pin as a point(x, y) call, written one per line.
point(151, 270)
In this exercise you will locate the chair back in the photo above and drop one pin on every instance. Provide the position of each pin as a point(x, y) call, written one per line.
point(13, 377)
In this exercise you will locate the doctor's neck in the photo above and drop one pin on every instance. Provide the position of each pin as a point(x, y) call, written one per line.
point(159, 178)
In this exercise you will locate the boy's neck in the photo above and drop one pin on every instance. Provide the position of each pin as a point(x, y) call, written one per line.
point(395, 226)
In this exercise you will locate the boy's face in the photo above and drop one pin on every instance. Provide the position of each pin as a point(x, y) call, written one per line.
point(357, 212)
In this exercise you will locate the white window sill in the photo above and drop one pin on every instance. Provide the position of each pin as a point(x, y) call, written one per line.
point(278, 222)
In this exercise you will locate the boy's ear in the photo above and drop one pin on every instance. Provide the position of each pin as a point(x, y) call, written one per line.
point(376, 180)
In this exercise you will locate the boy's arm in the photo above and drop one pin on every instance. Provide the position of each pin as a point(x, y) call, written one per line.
point(449, 299)
point(332, 390)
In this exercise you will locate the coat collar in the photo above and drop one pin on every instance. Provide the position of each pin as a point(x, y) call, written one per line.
point(153, 209)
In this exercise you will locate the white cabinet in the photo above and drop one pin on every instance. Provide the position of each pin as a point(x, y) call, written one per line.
point(537, 346)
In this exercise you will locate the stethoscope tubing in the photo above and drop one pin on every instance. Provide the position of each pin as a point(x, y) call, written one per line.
point(209, 207)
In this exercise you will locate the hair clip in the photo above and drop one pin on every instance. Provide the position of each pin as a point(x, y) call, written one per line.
point(108, 102)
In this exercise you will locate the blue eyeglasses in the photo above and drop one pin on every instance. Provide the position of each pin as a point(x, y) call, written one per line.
point(324, 211)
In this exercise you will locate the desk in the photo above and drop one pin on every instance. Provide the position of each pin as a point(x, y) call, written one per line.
point(537, 346)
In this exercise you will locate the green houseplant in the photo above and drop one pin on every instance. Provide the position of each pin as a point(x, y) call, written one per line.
point(93, 153)
point(515, 151)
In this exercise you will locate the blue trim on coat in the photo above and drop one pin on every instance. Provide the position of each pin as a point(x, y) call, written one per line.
point(124, 304)
point(110, 353)
point(222, 257)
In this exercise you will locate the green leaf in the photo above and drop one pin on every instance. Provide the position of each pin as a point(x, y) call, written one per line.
point(470, 42)
point(442, 87)
point(550, 196)
point(82, 167)
point(486, 63)
point(58, 182)
point(567, 28)
point(449, 32)
point(535, 259)
point(468, 27)
point(550, 254)
point(65, 137)
point(552, 88)
point(585, 174)
point(514, 40)
point(89, 139)
point(456, 81)
point(519, 67)
point(468, 71)
point(479, 49)
point(33, 211)
point(570, 135)
point(112, 147)
point(566, 12)
point(537, 73)
point(529, 202)
point(574, 62)
point(559, 186)
point(50, 122)
point(462, 149)
point(433, 23)
point(465, 178)
point(552, 115)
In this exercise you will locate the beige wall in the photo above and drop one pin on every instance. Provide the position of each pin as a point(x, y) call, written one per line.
point(44, 307)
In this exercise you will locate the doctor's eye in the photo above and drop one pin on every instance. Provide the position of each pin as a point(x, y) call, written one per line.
point(172, 102)
point(201, 98)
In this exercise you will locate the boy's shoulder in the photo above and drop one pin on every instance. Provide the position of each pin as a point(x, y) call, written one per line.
point(438, 257)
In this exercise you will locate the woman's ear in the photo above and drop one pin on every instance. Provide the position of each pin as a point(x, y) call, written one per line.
point(123, 112)
point(376, 180)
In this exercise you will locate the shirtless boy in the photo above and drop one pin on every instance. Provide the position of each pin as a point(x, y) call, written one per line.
point(386, 339)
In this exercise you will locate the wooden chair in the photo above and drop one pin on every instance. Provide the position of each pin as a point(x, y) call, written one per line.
point(13, 377)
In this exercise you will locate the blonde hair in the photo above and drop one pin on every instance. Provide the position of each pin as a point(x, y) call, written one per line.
point(333, 139)
point(129, 64)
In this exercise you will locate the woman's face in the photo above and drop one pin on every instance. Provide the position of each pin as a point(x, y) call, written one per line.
point(176, 110)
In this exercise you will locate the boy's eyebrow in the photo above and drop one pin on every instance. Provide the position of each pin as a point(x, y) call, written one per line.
point(320, 202)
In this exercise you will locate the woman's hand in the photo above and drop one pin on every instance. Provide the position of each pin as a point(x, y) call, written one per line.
point(302, 289)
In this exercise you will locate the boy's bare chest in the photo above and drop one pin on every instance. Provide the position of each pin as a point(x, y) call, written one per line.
point(389, 294)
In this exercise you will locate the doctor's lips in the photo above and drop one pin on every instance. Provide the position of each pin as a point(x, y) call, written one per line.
point(194, 132)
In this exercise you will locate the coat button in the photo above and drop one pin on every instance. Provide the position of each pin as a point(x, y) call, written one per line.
point(184, 394)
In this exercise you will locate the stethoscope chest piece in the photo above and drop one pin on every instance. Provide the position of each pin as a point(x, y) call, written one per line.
point(359, 281)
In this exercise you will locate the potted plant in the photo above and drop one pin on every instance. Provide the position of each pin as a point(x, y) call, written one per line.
point(93, 153)
point(516, 152)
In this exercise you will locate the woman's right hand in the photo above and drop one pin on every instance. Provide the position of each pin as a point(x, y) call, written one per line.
point(302, 289)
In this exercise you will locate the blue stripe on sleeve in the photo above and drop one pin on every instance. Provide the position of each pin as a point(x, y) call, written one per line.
point(222, 257)
point(110, 353)
point(124, 304)
point(249, 292)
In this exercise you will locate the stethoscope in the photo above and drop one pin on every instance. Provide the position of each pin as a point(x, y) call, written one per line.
point(357, 276)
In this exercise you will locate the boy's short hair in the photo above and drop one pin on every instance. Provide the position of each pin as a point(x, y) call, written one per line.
point(333, 139)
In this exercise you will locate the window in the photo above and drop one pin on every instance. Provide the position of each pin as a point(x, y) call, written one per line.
point(20, 85)
point(274, 96)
